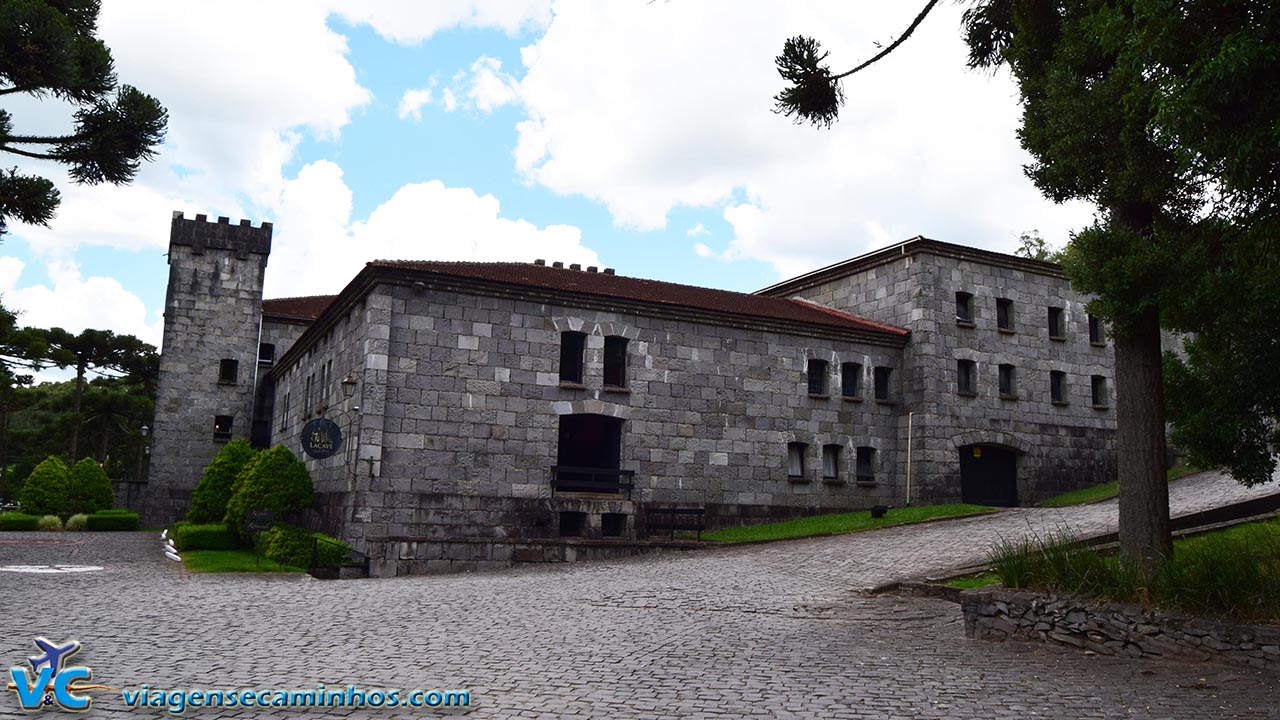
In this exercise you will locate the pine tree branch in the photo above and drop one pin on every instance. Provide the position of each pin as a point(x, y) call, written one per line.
point(24, 153)
point(894, 45)
point(37, 139)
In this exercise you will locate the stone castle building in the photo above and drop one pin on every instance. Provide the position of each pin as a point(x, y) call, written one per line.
point(505, 411)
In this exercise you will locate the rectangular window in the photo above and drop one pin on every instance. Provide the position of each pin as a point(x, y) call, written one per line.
point(1057, 324)
point(1058, 387)
point(1004, 314)
point(1008, 382)
point(851, 380)
point(572, 346)
point(615, 361)
point(795, 459)
point(882, 375)
point(964, 308)
point(326, 378)
point(306, 397)
point(1095, 331)
point(966, 377)
point(830, 462)
point(866, 465)
point(284, 415)
point(817, 370)
point(1099, 384)
point(228, 369)
point(222, 427)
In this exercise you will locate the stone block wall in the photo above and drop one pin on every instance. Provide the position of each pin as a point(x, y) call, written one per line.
point(212, 312)
point(1115, 628)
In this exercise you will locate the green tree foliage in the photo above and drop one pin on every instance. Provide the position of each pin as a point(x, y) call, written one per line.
point(49, 49)
point(99, 350)
point(1164, 115)
point(209, 501)
point(276, 481)
point(1034, 247)
point(89, 488)
point(45, 492)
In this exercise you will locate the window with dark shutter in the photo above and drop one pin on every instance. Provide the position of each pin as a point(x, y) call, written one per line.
point(572, 346)
point(615, 361)
point(817, 370)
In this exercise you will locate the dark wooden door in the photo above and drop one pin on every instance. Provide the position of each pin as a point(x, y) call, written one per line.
point(988, 475)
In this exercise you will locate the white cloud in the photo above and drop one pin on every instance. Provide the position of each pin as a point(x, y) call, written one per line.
point(412, 102)
point(74, 302)
point(318, 248)
point(697, 230)
point(448, 100)
point(488, 87)
point(923, 146)
point(703, 251)
point(413, 21)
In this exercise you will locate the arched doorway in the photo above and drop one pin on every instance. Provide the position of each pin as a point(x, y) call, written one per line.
point(988, 475)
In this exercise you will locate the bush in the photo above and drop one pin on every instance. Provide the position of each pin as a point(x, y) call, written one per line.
point(210, 536)
point(45, 492)
point(288, 545)
point(89, 488)
point(113, 520)
point(18, 521)
point(330, 550)
point(209, 502)
point(77, 522)
point(49, 523)
point(275, 481)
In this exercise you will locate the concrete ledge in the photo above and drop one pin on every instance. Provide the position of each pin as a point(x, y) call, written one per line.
point(1115, 628)
point(420, 555)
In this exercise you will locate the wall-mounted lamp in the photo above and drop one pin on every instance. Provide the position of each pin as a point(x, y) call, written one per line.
point(348, 386)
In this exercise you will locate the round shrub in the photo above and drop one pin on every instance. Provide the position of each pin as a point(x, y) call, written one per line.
point(18, 521)
point(49, 523)
point(288, 545)
point(330, 551)
point(77, 522)
point(45, 492)
point(276, 481)
point(209, 501)
point(89, 488)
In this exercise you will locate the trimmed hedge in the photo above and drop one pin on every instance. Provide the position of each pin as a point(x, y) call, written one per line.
point(210, 536)
point(88, 488)
point(209, 501)
point(276, 481)
point(18, 521)
point(45, 492)
point(113, 520)
point(292, 545)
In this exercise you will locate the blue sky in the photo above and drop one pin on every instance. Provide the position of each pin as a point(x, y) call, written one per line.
point(627, 134)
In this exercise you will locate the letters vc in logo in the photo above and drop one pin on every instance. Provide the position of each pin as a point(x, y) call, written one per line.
point(51, 681)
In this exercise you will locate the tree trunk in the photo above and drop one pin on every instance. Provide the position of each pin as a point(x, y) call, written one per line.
point(75, 411)
point(1145, 537)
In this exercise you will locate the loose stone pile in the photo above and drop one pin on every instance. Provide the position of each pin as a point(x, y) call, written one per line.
point(1115, 629)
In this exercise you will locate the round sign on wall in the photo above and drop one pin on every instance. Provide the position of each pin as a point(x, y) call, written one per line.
point(321, 438)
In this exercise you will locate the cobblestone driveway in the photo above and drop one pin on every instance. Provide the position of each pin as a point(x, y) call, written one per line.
point(764, 631)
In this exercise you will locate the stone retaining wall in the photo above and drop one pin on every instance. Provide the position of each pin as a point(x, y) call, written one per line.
point(1115, 629)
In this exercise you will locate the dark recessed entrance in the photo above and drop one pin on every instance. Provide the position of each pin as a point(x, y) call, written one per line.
point(988, 475)
point(573, 524)
point(589, 454)
point(613, 524)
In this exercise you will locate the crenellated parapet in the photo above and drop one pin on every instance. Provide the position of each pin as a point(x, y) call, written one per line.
point(201, 235)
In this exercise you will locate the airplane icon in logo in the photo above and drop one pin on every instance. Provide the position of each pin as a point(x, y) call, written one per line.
point(54, 655)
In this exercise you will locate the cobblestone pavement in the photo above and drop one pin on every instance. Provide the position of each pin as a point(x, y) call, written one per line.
point(765, 631)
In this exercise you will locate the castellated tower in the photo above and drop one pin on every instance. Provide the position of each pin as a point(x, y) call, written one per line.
point(208, 364)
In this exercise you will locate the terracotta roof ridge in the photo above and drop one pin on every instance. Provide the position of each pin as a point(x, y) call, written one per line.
point(299, 297)
point(830, 311)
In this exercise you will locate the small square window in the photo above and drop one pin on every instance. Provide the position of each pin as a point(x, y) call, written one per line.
point(830, 462)
point(964, 308)
point(851, 380)
point(817, 370)
point(1095, 331)
point(882, 376)
point(795, 460)
point(266, 354)
point(1004, 314)
point(966, 377)
point(1058, 387)
point(1057, 324)
point(1099, 386)
point(1008, 382)
point(866, 465)
point(572, 346)
point(222, 427)
point(228, 369)
point(615, 361)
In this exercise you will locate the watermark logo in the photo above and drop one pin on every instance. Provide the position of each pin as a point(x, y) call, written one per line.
point(51, 681)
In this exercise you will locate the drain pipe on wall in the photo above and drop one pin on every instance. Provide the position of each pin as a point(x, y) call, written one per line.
point(910, 418)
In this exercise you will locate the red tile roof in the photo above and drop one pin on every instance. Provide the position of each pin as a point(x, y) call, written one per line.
point(647, 291)
point(297, 308)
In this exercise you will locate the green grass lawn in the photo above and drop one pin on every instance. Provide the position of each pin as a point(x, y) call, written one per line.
point(1106, 491)
point(841, 523)
point(231, 561)
point(983, 580)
